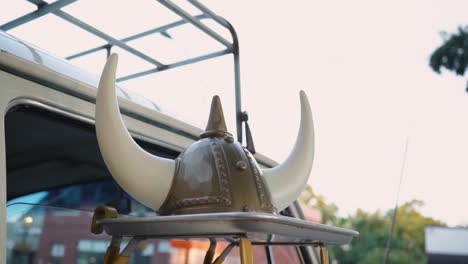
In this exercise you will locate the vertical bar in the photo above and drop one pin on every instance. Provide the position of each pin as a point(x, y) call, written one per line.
point(395, 211)
point(269, 255)
point(324, 258)
point(246, 251)
point(108, 51)
point(3, 188)
point(187, 255)
point(237, 79)
point(237, 88)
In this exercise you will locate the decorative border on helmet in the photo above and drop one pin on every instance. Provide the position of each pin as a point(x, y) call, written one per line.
point(262, 190)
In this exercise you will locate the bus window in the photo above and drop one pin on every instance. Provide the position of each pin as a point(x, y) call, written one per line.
point(55, 179)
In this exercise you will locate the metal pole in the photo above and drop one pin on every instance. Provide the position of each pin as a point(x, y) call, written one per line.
point(246, 256)
point(112, 41)
point(54, 8)
point(390, 233)
point(237, 79)
point(174, 8)
point(237, 88)
point(269, 255)
point(208, 12)
point(41, 11)
point(174, 65)
point(136, 36)
point(108, 51)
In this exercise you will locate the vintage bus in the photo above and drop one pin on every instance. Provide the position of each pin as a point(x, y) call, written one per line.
point(52, 174)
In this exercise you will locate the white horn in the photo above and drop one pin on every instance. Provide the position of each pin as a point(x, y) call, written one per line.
point(144, 176)
point(287, 180)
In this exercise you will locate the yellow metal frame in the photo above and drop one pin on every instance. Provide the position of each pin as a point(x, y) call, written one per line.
point(246, 251)
point(101, 212)
point(113, 255)
point(324, 258)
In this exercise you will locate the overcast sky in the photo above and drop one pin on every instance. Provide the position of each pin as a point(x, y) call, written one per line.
point(363, 64)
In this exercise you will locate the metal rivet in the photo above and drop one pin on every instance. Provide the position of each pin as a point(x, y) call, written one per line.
point(247, 208)
point(241, 165)
point(228, 139)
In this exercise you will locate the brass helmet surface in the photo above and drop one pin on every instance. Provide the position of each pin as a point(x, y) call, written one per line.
point(216, 174)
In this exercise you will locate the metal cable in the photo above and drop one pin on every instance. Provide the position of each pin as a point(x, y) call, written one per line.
point(394, 218)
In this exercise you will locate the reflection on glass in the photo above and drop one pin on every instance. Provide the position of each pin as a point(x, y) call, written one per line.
point(54, 227)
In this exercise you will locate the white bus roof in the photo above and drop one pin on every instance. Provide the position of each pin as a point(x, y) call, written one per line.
point(40, 58)
point(446, 240)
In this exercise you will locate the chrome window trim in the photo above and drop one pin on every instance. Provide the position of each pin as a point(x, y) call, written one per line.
point(82, 118)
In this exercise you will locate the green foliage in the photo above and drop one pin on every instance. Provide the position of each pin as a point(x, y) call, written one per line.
point(453, 54)
point(369, 247)
point(328, 211)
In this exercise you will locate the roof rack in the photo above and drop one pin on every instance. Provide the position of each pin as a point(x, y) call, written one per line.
point(44, 8)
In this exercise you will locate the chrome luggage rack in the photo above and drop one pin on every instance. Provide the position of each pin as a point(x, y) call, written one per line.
point(260, 228)
point(242, 229)
point(231, 47)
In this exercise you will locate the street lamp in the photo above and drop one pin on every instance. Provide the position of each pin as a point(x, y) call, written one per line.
point(27, 223)
point(28, 220)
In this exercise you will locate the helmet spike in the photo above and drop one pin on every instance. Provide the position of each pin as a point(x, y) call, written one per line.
point(216, 126)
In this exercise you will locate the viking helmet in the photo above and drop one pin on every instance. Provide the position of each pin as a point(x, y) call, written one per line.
point(214, 174)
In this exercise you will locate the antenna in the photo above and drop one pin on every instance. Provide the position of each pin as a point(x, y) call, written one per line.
point(390, 233)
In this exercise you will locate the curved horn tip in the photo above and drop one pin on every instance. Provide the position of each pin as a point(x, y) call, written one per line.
point(287, 180)
point(303, 97)
point(111, 63)
point(130, 165)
